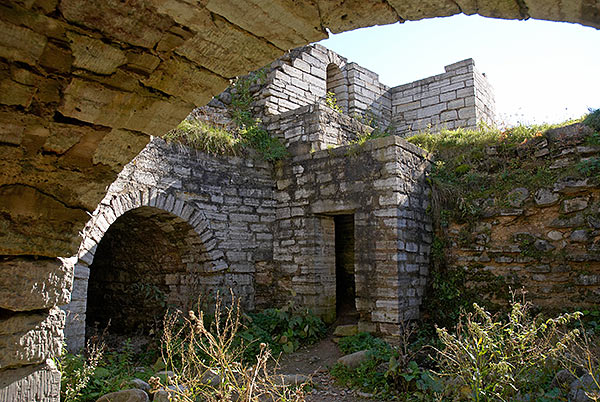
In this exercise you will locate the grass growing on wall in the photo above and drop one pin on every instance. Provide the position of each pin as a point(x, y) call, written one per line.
point(474, 170)
point(248, 134)
point(473, 175)
point(205, 137)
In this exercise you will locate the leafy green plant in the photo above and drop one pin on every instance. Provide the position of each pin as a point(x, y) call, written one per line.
point(77, 371)
point(589, 167)
point(499, 360)
point(368, 376)
point(248, 134)
point(475, 170)
point(251, 133)
point(331, 101)
point(283, 330)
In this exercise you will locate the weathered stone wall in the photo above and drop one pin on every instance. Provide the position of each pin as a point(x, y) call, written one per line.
point(383, 184)
point(94, 78)
point(301, 78)
point(460, 97)
point(368, 97)
point(227, 202)
point(547, 239)
point(314, 127)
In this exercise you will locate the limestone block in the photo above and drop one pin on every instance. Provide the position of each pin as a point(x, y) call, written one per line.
point(584, 12)
point(61, 140)
point(95, 103)
point(27, 284)
point(13, 37)
point(178, 77)
point(29, 208)
point(94, 55)
point(30, 338)
point(545, 197)
point(574, 204)
point(137, 23)
point(227, 50)
point(128, 395)
point(341, 16)
point(355, 359)
point(31, 383)
point(279, 19)
point(14, 93)
point(57, 59)
point(118, 148)
point(419, 9)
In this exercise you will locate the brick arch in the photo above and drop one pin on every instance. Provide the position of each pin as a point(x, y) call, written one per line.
point(141, 201)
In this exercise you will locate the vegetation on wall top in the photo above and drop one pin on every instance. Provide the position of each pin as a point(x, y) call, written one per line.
point(248, 133)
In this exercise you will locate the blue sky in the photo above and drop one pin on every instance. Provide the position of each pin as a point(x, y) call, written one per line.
point(541, 71)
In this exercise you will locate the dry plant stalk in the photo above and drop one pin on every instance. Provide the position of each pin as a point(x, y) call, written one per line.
point(583, 359)
point(208, 365)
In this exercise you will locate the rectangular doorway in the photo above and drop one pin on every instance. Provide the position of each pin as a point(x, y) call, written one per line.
point(344, 269)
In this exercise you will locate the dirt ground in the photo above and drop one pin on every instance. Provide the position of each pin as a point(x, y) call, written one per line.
point(314, 361)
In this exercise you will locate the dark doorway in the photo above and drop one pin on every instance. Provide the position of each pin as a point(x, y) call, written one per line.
point(344, 269)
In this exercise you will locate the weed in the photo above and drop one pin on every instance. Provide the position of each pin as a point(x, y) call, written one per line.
point(283, 330)
point(78, 370)
point(476, 169)
point(248, 134)
point(589, 167)
point(331, 101)
point(207, 361)
point(205, 137)
point(251, 133)
point(500, 360)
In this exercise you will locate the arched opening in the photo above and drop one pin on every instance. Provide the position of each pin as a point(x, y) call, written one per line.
point(148, 260)
point(337, 86)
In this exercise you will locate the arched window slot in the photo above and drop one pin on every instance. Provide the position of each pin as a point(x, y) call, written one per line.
point(338, 86)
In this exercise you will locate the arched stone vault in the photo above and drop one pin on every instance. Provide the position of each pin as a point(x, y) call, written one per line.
point(83, 83)
point(143, 201)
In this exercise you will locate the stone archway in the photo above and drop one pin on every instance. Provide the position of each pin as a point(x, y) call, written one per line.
point(150, 221)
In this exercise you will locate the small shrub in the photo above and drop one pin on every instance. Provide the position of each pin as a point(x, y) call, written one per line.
point(593, 119)
point(499, 360)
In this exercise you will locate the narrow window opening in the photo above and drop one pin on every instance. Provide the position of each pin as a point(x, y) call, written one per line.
point(336, 84)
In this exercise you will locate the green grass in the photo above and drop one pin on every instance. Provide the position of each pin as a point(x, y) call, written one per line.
point(248, 133)
point(205, 137)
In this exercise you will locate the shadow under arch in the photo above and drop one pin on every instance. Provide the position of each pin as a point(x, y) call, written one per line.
point(147, 261)
point(164, 230)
